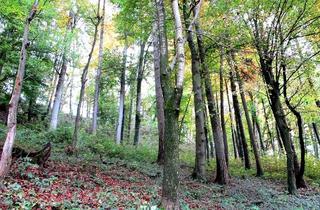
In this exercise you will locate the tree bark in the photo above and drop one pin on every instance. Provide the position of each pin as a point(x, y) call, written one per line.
point(14, 101)
point(120, 125)
point(136, 138)
point(199, 168)
point(236, 107)
point(98, 75)
point(222, 176)
point(84, 80)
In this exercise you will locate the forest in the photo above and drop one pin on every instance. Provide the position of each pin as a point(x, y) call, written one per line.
point(160, 104)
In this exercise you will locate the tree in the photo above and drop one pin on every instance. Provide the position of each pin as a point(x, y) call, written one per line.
point(158, 90)
point(138, 91)
point(13, 104)
point(96, 21)
point(98, 74)
point(222, 176)
point(223, 123)
point(246, 112)
point(120, 124)
point(199, 107)
point(236, 107)
point(62, 74)
point(172, 93)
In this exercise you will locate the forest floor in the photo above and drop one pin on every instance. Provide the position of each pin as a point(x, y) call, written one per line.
point(69, 183)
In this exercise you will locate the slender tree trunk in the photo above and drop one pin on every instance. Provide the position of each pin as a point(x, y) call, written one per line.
point(314, 142)
point(30, 106)
point(62, 76)
point(268, 127)
point(172, 98)
point(279, 115)
point(223, 123)
point(316, 132)
point(70, 97)
point(259, 133)
point(130, 111)
point(138, 94)
point(236, 126)
point(255, 121)
point(234, 135)
point(98, 75)
point(120, 125)
point(238, 116)
point(84, 80)
point(206, 128)
point(300, 182)
point(58, 95)
point(14, 101)
point(253, 140)
point(88, 107)
point(199, 169)
point(222, 176)
point(279, 139)
point(52, 89)
point(159, 95)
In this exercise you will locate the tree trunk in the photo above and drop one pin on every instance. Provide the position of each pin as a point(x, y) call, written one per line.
point(120, 125)
point(255, 121)
point(314, 142)
point(159, 96)
point(130, 111)
point(206, 127)
point(30, 106)
point(279, 115)
point(14, 101)
point(84, 80)
point(70, 97)
point(58, 96)
point(52, 89)
point(299, 175)
point(172, 98)
point(236, 107)
point(61, 80)
point(253, 140)
point(279, 139)
point(199, 168)
point(268, 127)
point(316, 132)
point(98, 75)
point(136, 138)
point(234, 135)
point(223, 125)
point(222, 176)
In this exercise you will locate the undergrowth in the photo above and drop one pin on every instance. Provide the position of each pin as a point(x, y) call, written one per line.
point(33, 136)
